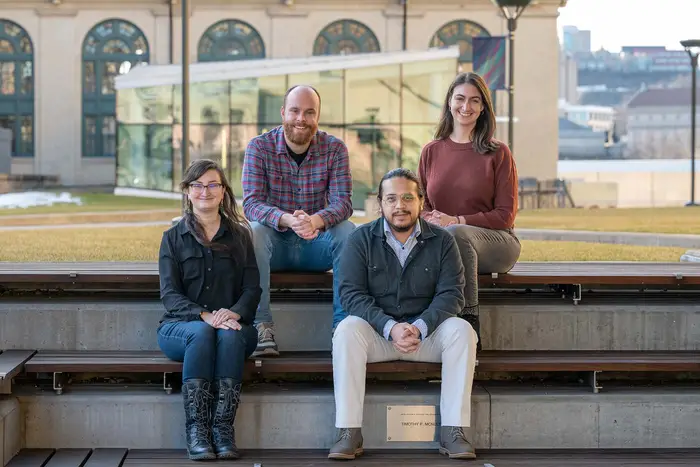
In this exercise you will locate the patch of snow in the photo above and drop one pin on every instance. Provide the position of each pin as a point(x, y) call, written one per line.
point(36, 198)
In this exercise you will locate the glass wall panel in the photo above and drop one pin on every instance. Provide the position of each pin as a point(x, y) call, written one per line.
point(145, 105)
point(160, 157)
point(240, 135)
point(209, 103)
point(329, 85)
point(424, 87)
point(257, 101)
point(373, 151)
point(414, 138)
point(363, 107)
point(145, 159)
point(373, 95)
point(243, 101)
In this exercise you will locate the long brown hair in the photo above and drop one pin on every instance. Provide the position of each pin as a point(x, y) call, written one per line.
point(482, 137)
point(235, 222)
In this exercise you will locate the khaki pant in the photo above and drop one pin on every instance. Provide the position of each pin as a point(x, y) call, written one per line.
point(356, 343)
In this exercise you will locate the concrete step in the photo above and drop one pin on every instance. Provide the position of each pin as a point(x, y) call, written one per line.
point(509, 322)
point(302, 417)
point(10, 428)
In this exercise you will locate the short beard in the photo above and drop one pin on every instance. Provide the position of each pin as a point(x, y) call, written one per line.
point(398, 228)
point(296, 138)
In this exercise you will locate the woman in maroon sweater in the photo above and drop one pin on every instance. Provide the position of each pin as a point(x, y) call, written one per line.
point(471, 186)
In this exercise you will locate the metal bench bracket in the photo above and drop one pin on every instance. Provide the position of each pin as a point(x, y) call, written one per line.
point(167, 383)
point(593, 381)
point(577, 293)
point(573, 290)
point(59, 381)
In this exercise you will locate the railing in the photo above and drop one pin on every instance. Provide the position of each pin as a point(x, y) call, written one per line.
point(539, 194)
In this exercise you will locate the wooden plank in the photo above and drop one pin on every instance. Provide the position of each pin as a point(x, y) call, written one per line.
point(31, 458)
point(106, 457)
point(321, 362)
point(574, 360)
point(122, 274)
point(69, 458)
point(12, 362)
point(413, 457)
point(102, 362)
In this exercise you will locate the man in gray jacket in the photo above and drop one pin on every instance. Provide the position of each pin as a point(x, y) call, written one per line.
point(401, 282)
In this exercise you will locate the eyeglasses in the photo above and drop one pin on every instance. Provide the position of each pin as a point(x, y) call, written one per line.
point(392, 200)
point(198, 188)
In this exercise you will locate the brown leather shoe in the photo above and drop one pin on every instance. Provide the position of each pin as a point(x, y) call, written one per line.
point(349, 444)
point(454, 444)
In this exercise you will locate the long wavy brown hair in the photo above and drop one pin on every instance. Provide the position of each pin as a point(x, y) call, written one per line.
point(235, 222)
point(482, 136)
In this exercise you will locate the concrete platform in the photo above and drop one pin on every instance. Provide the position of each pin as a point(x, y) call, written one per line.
point(512, 322)
point(10, 428)
point(302, 417)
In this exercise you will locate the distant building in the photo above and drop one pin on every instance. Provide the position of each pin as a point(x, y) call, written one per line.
point(658, 124)
point(579, 142)
point(568, 78)
point(576, 40)
point(597, 118)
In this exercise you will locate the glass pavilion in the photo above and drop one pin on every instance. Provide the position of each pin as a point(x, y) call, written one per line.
point(385, 106)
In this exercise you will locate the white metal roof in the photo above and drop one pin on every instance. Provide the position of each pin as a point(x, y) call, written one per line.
point(164, 75)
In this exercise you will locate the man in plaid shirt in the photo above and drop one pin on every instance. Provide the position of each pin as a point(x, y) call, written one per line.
point(296, 195)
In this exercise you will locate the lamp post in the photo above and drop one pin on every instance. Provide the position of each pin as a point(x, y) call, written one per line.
point(512, 9)
point(404, 4)
point(373, 111)
point(185, 145)
point(693, 49)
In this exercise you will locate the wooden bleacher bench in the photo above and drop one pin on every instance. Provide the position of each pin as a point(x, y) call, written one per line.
point(592, 362)
point(569, 278)
point(11, 364)
point(116, 457)
point(125, 274)
point(98, 276)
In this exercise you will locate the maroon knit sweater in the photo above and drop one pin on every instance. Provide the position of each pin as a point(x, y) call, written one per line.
point(458, 181)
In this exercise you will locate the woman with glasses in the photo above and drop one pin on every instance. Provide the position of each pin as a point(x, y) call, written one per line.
point(210, 287)
point(471, 186)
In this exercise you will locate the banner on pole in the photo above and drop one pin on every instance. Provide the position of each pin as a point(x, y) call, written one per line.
point(490, 60)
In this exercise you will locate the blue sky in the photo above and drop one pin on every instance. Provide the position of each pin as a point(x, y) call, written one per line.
point(614, 23)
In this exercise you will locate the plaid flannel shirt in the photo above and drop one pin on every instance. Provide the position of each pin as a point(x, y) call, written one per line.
point(273, 184)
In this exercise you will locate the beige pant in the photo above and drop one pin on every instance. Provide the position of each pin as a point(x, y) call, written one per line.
point(356, 343)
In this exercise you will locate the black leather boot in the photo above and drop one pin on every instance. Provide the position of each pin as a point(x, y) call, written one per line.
point(196, 394)
point(473, 319)
point(227, 395)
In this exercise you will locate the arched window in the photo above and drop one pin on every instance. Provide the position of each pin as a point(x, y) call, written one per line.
point(459, 32)
point(344, 37)
point(17, 87)
point(111, 48)
point(230, 39)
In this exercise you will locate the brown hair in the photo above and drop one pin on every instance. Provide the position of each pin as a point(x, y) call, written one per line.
point(235, 222)
point(482, 136)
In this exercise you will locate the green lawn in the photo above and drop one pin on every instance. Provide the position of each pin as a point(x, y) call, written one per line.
point(98, 202)
point(658, 220)
point(141, 244)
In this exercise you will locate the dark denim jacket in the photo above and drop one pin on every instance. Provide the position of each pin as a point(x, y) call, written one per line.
point(194, 278)
point(374, 286)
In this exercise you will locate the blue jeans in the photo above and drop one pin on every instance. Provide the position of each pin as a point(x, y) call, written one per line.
point(286, 251)
point(207, 353)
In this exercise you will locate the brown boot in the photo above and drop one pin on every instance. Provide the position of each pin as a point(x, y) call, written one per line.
point(349, 444)
point(454, 444)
